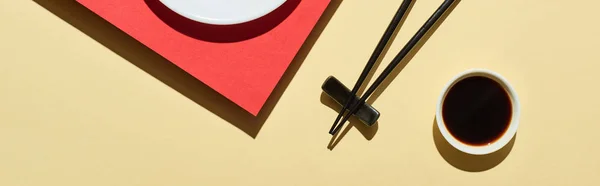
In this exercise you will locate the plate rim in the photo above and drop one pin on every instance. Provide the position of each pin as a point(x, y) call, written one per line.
point(213, 21)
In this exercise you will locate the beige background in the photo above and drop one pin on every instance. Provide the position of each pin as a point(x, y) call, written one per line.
point(83, 104)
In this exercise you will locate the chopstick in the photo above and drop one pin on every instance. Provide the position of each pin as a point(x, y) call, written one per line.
point(399, 57)
point(400, 13)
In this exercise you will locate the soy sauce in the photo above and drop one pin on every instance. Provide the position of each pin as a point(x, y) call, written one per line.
point(477, 110)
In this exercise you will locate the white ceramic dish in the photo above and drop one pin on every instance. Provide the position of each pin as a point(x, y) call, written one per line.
point(512, 127)
point(222, 12)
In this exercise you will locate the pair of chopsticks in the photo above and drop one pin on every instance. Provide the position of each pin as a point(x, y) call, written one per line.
point(397, 59)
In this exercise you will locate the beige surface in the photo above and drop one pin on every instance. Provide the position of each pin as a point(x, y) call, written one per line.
point(82, 104)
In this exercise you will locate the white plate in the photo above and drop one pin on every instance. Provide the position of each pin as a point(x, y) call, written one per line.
point(222, 12)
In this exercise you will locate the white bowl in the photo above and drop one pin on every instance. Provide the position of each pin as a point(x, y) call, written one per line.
point(512, 127)
point(222, 12)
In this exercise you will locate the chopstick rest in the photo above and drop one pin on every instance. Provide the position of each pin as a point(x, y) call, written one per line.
point(341, 94)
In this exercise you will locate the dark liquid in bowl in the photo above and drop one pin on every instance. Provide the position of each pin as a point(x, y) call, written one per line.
point(477, 110)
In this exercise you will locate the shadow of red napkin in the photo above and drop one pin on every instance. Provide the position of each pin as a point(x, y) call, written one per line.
point(242, 62)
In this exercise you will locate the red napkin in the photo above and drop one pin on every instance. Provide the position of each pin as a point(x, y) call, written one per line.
point(242, 62)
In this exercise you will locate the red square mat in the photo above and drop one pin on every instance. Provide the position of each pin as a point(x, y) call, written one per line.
point(242, 62)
